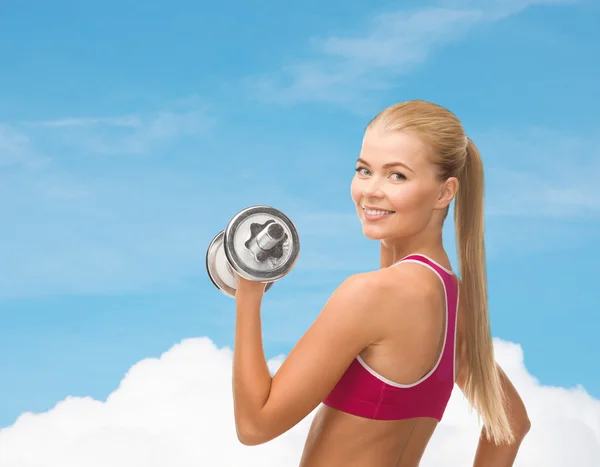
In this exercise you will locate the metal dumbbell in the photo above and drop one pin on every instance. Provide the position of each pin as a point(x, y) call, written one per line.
point(260, 244)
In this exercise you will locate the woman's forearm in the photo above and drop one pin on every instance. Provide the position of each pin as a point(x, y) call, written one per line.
point(251, 375)
point(488, 454)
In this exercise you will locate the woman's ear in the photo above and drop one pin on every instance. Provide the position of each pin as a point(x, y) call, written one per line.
point(447, 193)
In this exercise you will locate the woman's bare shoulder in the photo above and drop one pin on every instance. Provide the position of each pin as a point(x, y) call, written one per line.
point(408, 289)
point(411, 280)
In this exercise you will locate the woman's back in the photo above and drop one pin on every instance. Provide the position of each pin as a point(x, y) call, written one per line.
point(340, 439)
point(386, 407)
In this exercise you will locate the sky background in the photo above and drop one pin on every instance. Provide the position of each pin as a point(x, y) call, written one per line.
point(131, 132)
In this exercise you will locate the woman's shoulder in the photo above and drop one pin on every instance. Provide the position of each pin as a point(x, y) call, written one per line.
point(409, 297)
point(404, 283)
point(408, 279)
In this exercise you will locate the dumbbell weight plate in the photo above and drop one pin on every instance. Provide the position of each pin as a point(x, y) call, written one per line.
point(241, 255)
point(219, 271)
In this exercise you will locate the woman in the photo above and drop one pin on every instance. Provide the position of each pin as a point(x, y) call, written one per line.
point(389, 345)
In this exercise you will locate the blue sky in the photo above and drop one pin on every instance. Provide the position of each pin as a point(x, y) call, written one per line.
point(130, 132)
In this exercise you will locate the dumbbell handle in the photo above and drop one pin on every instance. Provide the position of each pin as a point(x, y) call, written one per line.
point(266, 239)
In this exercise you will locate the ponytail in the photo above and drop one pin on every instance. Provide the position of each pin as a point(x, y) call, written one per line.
point(482, 386)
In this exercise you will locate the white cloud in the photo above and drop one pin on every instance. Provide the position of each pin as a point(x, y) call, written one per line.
point(131, 134)
point(342, 68)
point(16, 149)
point(541, 173)
point(535, 196)
point(177, 411)
point(125, 121)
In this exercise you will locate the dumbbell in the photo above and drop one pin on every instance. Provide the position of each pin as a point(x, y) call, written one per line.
point(260, 243)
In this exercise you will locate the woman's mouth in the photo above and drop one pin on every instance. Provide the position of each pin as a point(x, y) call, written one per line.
point(372, 213)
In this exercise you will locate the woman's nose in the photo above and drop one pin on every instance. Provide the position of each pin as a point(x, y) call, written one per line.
point(372, 188)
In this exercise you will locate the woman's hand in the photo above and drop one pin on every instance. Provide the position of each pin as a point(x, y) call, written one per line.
point(247, 287)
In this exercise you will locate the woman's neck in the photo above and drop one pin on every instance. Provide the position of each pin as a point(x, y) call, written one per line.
point(393, 251)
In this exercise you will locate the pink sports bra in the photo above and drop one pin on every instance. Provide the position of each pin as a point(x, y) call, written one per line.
point(362, 391)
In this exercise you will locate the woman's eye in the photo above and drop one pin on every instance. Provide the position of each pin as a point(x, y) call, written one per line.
point(398, 176)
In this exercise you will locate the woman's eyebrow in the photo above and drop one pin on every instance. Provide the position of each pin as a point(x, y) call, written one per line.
point(388, 165)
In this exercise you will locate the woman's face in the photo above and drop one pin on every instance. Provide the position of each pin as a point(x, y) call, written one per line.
point(395, 188)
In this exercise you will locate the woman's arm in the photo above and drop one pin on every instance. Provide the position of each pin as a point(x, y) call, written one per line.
point(488, 454)
point(265, 406)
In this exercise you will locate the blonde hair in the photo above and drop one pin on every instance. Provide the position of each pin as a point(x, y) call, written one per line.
point(455, 155)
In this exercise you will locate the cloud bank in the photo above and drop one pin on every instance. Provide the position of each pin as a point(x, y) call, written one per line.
point(177, 410)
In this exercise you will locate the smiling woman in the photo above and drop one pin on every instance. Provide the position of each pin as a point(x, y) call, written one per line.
point(384, 354)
